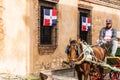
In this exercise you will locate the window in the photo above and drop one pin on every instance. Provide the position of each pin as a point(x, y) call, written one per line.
point(47, 35)
point(45, 32)
point(84, 35)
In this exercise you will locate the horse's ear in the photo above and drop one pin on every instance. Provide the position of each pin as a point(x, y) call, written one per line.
point(70, 40)
point(118, 39)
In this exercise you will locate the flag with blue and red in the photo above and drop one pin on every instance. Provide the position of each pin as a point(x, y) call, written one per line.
point(86, 24)
point(50, 17)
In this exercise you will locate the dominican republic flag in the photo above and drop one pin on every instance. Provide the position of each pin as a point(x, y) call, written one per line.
point(50, 17)
point(86, 24)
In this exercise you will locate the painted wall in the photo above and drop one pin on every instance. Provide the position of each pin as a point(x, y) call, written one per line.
point(99, 15)
point(67, 28)
point(14, 48)
point(19, 33)
point(104, 13)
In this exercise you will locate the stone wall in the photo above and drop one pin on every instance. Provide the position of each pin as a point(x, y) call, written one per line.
point(67, 19)
point(99, 20)
point(99, 14)
point(19, 32)
point(67, 28)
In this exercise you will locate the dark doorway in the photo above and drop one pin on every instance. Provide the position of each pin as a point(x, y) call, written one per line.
point(84, 35)
point(45, 32)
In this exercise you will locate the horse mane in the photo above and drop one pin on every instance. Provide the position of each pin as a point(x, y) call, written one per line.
point(73, 42)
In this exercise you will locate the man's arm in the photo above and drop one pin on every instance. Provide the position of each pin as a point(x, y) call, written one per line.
point(114, 35)
point(101, 35)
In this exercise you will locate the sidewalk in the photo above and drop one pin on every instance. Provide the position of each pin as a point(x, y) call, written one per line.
point(6, 76)
point(60, 74)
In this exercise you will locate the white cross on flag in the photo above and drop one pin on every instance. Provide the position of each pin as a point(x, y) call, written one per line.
point(50, 17)
point(86, 24)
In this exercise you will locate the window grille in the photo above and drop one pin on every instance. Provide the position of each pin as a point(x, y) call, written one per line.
point(84, 35)
point(47, 36)
point(45, 32)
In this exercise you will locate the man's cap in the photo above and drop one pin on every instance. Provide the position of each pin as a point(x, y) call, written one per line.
point(108, 21)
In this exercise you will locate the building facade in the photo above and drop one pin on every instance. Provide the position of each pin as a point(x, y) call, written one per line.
point(27, 46)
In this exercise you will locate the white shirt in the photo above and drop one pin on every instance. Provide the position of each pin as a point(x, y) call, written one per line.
point(108, 34)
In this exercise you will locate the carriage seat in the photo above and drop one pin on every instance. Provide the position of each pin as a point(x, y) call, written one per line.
point(118, 38)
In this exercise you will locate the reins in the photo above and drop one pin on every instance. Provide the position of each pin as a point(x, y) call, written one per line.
point(86, 51)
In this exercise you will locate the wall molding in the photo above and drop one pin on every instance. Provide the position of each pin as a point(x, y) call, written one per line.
point(107, 3)
point(85, 6)
point(116, 2)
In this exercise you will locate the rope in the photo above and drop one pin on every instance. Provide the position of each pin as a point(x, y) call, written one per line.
point(96, 61)
point(88, 49)
point(104, 65)
point(100, 61)
point(92, 53)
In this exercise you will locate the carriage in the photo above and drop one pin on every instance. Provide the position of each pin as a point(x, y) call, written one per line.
point(111, 65)
point(114, 61)
point(113, 71)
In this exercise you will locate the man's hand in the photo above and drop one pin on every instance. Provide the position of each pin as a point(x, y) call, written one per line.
point(100, 41)
point(79, 41)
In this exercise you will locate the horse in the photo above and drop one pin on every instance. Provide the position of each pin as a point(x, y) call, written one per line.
point(83, 67)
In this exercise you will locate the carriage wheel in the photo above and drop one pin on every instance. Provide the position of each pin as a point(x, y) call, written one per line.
point(114, 75)
point(96, 75)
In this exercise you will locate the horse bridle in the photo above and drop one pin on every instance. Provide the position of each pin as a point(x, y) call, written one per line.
point(78, 61)
point(77, 48)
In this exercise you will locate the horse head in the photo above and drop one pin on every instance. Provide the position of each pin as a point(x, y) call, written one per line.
point(78, 55)
point(75, 51)
point(77, 58)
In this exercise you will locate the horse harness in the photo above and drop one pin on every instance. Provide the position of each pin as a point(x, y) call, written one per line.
point(87, 53)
